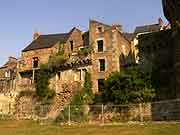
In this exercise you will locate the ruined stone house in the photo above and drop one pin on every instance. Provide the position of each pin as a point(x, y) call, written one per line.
point(8, 75)
point(110, 51)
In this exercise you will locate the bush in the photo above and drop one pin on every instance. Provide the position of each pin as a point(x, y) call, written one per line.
point(56, 61)
point(130, 86)
point(84, 51)
point(42, 84)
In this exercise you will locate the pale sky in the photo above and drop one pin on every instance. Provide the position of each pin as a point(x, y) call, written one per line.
point(20, 18)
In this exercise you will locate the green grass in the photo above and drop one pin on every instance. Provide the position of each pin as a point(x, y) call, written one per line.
point(33, 128)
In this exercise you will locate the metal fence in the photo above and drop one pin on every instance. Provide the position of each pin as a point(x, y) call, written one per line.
point(100, 114)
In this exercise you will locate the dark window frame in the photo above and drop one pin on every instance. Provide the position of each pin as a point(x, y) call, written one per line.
point(100, 29)
point(72, 45)
point(102, 65)
point(100, 85)
point(100, 45)
point(35, 62)
point(59, 75)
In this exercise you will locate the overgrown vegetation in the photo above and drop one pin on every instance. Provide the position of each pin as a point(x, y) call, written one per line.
point(44, 74)
point(56, 60)
point(84, 51)
point(130, 86)
point(42, 84)
point(83, 97)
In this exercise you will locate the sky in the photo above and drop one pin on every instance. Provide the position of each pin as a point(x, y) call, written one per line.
point(20, 18)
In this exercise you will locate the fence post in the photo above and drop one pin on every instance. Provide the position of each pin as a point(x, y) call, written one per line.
point(140, 112)
point(69, 115)
point(102, 113)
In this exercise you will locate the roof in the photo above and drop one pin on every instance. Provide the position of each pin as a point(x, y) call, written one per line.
point(48, 41)
point(10, 64)
point(147, 28)
point(94, 21)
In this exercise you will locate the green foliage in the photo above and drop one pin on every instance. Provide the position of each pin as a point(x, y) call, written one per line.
point(129, 86)
point(84, 51)
point(88, 95)
point(58, 59)
point(84, 95)
point(61, 49)
point(42, 84)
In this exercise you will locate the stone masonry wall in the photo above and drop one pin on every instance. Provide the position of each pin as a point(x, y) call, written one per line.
point(114, 45)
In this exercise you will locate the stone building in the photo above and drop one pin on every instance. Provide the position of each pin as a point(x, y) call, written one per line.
point(109, 51)
point(141, 30)
point(42, 48)
point(8, 75)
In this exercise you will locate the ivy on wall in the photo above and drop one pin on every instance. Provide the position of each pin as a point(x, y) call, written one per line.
point(42, 84)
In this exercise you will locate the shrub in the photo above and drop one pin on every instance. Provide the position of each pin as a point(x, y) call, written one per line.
point(84, 51)
point(130, 86)
point(56, 61)
point(42, 84)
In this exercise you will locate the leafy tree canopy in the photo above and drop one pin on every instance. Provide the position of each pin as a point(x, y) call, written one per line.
point(130, 86)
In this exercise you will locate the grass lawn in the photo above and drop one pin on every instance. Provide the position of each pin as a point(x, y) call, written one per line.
point(33, 128)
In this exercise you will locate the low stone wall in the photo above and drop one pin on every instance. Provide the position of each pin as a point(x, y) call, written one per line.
point(157, 111)
point(6, 104)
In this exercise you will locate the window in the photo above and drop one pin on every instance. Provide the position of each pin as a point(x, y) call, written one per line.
point(7, 74)
point(100, 29)
point(102, 65)
point(71, 42)
point(35, 62)
point(100, 45)
point(80, 75)
point(59, 75)
point(100, 85)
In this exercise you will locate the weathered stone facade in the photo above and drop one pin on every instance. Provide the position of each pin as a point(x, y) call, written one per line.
point(8, 75)
point(108, 51)
point(115, 47)
point(116, 53)
point(43, 54)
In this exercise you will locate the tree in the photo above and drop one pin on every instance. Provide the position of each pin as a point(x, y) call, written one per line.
point(129, 86)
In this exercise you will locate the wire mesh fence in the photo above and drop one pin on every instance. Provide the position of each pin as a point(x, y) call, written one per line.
point(98, 114)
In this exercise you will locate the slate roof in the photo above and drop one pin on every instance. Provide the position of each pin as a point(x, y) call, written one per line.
point(147, 28)
point(48, 41)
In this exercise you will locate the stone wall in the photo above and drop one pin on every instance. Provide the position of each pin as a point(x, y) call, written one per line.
point(76, 37)
point(157, 56)
point(42, 54)
point(157, 111)
point(6, 104)
point(68, 76)
point(114, 44)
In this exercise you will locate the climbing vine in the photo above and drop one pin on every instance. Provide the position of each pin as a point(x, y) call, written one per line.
point(42, 84)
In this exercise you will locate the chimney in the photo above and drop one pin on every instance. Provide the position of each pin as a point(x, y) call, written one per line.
point(35, 35)
point(118, 27)
point(161, 23)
